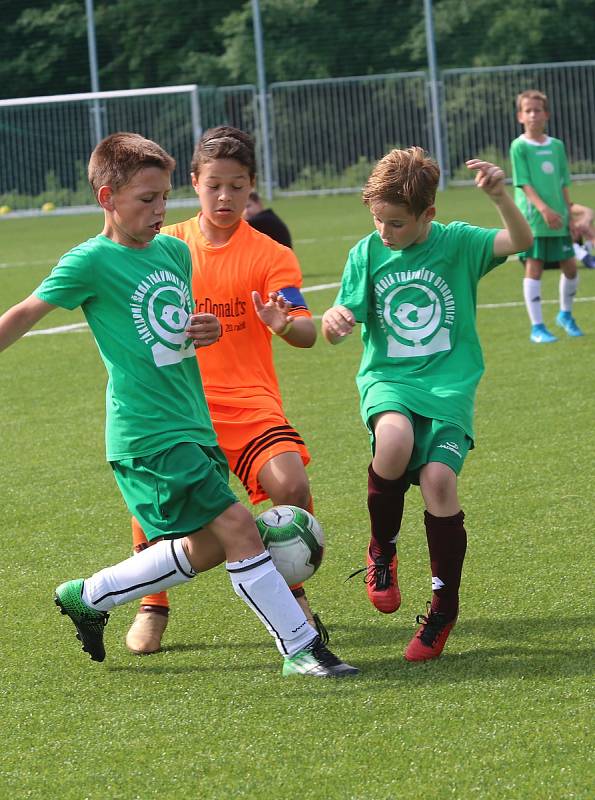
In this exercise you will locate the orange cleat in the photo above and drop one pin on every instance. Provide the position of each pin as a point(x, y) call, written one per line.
point(431, 637)
point(381, 582)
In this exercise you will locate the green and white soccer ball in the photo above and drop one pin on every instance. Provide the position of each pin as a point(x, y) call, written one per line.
point(295, 540)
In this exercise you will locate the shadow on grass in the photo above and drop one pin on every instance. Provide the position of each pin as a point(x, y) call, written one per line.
point(519, 647)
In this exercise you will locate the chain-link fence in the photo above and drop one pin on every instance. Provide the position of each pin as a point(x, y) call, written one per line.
point(325, 135)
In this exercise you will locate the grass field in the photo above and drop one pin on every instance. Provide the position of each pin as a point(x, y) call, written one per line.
point(505, 713)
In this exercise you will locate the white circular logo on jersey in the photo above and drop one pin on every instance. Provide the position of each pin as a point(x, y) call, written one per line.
point(166, 315)
point(413, 312)
point(547, 167)
point(161, 309)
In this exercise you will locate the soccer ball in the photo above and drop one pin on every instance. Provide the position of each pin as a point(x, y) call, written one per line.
point(295, 540)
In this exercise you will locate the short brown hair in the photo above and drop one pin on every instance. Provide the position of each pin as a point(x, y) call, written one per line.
point(531, 94)
point(225, 142)
point(404, 178)
point(118, 157)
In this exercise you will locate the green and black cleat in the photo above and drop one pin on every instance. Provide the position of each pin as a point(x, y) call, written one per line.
point(88, 623)
point(317, 661)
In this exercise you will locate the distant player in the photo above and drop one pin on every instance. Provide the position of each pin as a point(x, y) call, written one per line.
point(134, 287)
point(265, 220)
point(413, 286)
point(541, 178)
point(252, 284)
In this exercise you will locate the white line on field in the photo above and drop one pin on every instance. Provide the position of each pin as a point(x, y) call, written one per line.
point(47, 262)
point(77, 327)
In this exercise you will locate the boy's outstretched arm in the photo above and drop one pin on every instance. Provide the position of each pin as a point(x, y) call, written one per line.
point(516, 235)
point(274, 313)
point(20, 318)
point(337, 323)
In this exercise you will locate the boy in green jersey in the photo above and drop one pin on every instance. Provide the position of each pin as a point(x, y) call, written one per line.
point(412, 285)
point(541, 178)
point(133, 286)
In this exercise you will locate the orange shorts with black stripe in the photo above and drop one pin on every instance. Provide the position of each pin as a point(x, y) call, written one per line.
point(250, 437)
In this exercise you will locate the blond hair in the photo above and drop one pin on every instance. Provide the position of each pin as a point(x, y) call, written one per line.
point(118, 157)
point(404, 178)
point(531, 94)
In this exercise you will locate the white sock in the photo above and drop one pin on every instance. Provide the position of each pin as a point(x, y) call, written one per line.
point(532, 295)
point(567, 289)
point(579, 251)
point(159, 567)
point(262, 588)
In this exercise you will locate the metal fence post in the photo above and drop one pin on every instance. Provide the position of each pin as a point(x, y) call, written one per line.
point(434, 96)
point(262, 99)
point(92, 46)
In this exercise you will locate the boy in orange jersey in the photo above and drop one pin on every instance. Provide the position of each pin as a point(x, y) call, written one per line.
point(251, 283)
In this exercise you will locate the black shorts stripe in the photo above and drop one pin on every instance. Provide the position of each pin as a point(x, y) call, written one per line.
point(258, 440)
point(244, 471)
point(258, 610)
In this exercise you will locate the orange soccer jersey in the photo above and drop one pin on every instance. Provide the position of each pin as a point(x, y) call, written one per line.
point(238, 372)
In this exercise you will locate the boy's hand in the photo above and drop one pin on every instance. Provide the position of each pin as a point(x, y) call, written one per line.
point(274, 313)
point(337, 323)
point(488, 177)
point(552, 219)
point(204, 329)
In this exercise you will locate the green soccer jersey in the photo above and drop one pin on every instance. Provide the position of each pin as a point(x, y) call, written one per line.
point(544, 167)
point(417, 307)
point(137, 304)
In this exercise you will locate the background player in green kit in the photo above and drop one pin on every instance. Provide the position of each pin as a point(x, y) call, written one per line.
point(412, 284)
point(541, 178)
point(133, 286)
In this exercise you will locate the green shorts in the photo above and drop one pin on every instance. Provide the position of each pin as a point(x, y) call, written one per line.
point(433, 440)
point(176, 491)
point(549, 248)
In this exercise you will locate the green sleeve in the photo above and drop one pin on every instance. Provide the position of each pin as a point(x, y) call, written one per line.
point(355, 283)
point(520, 171)
point(70, 283)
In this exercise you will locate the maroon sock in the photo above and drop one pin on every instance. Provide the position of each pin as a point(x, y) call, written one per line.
point(386, 499)
point(447, 543)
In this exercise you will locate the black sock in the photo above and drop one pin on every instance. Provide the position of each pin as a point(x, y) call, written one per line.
point(447, 543)
point(386, 499)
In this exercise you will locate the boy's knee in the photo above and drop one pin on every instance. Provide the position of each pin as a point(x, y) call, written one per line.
point(438, 483)
point(296, 492)
point(569, 268)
